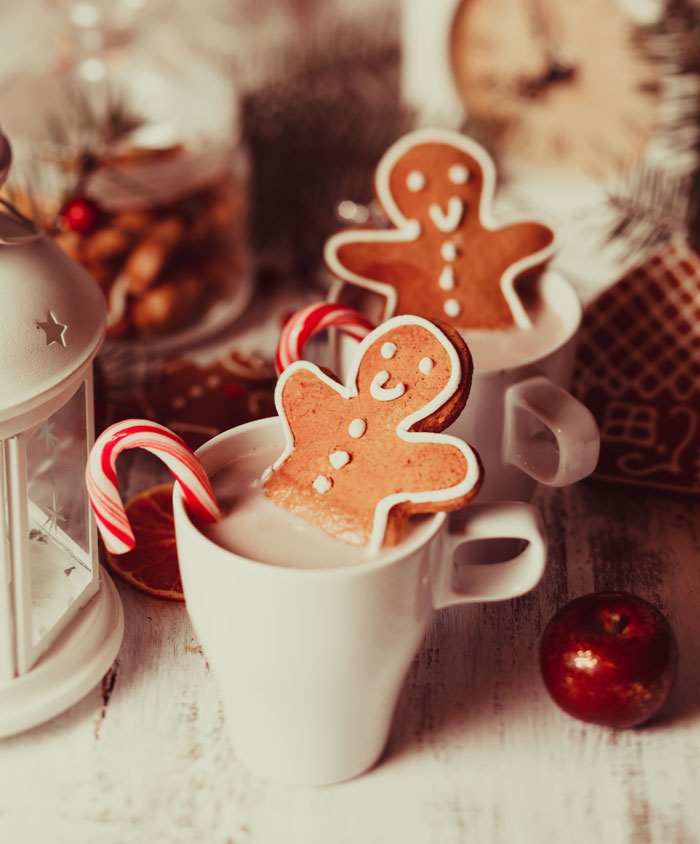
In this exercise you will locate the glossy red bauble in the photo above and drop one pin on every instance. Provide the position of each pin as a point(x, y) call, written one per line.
point(81, 214)
point(609, 658)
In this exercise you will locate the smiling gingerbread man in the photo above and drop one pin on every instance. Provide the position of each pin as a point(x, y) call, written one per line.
point(446, 257)
point(360, 459)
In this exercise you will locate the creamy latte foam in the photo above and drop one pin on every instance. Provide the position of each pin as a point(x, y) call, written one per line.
point(255, 528)
point(511, 346)
point(492, 349)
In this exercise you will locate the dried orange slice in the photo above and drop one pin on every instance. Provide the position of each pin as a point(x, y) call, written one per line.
point(152, 566)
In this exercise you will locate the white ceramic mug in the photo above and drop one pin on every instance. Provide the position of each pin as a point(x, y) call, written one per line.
point(310, 662)
point(521, 419)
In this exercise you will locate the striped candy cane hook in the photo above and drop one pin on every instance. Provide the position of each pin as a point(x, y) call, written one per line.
point(312, 320)
point(101, 477)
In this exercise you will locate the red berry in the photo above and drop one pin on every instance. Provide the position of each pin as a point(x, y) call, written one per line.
point(609, 658)
point(81, 214)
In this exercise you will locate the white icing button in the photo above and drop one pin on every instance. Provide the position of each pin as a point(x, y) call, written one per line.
point(458, 174)
point(426, 366)
point(322, 484)
point(453, 308)
point(447, 279)
point(339, 459)
point(415, 181)
point(357, 428)
point(378, 392)
point(448, 251)
point(388, 350)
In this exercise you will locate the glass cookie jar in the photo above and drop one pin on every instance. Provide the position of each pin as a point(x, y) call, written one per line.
point(131, 159)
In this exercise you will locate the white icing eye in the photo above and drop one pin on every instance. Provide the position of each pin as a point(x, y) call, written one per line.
point(339, 459)
point(388, 350)
point(426, 366)
point(458, 174)
point(357, 428)
point(453, 308)
point(416, 181)
point(322, 484)
point(448, 251)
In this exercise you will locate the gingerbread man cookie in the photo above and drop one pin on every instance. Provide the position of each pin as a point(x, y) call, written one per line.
point(446, 257)
point(361, 458)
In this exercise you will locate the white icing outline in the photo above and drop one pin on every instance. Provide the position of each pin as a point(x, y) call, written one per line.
point(409, 230)
point(350, 390)
point(447, 221)
point(380, 393)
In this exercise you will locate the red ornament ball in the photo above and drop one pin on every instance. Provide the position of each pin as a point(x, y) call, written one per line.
point(81, 214)
point(609, 658)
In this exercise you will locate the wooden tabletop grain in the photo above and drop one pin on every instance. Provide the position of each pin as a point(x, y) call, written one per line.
point(478, 751)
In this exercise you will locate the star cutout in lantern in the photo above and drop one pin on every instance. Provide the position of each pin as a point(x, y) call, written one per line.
point(53, 513)
point(53, 329)
point(48, 437)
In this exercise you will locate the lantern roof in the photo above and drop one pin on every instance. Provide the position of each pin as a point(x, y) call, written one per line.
point(52, 313)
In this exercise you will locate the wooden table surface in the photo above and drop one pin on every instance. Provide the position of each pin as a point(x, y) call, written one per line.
point(478, 752)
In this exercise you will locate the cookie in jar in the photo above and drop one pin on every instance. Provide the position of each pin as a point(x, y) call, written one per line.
point(146, 187)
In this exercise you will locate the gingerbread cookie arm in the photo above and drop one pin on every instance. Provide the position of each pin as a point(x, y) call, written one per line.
point(316, 386)
point(391, 512)
point(359, 256)
point(519, 237)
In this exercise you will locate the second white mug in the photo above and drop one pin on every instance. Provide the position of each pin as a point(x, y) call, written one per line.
point(520, 417)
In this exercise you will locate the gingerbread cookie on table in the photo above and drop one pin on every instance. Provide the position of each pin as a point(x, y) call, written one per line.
point(360, 459)
point(446, 257)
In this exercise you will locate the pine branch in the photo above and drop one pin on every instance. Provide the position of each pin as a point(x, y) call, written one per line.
point(653, 201)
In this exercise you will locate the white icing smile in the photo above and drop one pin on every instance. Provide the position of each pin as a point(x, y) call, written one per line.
point(380, 393)
point(447, 221)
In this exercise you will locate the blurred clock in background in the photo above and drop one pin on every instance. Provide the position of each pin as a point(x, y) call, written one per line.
point(562, 83)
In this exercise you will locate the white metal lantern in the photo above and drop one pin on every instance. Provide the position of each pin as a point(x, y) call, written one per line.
point(61, 620)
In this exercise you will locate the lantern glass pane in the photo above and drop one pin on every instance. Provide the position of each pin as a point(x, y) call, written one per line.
point(58, 513)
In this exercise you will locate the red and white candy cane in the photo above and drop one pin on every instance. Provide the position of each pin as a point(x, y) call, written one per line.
point(312, 320)
point(101, 477)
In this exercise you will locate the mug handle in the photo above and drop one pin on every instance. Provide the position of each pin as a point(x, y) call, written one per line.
point(492, 581)
point(549, 434)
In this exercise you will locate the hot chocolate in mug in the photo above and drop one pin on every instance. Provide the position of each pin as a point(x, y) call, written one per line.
point(310, 640)
point(520, 418)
